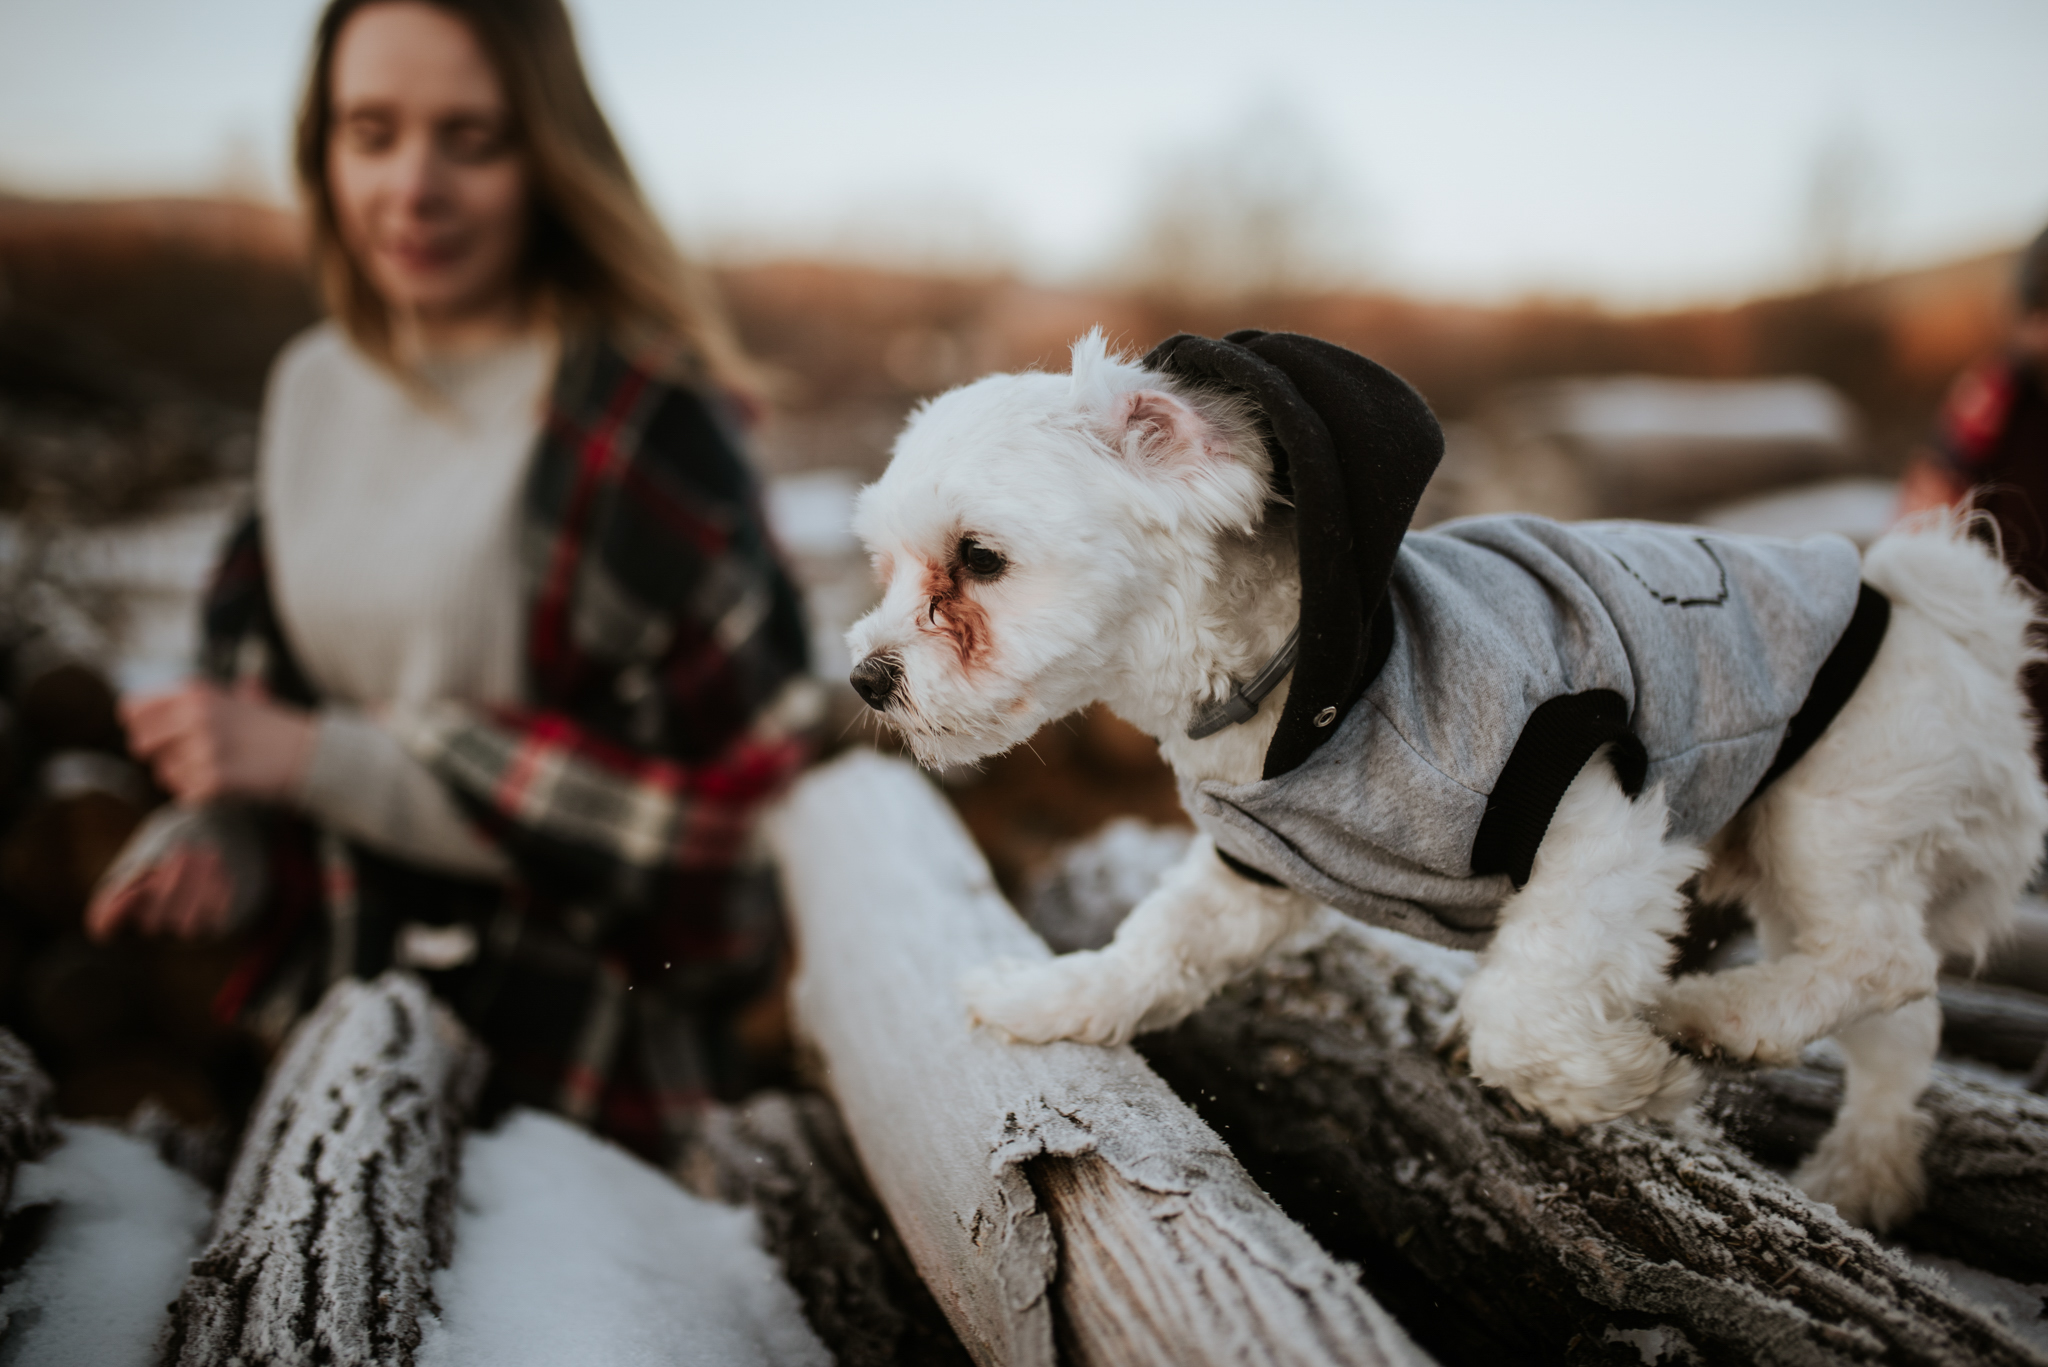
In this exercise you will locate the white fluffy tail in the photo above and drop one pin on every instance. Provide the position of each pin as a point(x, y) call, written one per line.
point(1945, 582)
point(1935, 565)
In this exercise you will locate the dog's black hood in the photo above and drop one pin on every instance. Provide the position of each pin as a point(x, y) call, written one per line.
point(1352, 447)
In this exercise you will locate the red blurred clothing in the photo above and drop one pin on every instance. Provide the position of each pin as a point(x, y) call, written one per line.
point(1992, 439)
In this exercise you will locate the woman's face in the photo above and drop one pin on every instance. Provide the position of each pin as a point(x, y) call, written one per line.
point(428, 182)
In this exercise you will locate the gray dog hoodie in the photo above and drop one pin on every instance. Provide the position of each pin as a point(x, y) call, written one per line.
point(1450, 684)
point(1689, 651)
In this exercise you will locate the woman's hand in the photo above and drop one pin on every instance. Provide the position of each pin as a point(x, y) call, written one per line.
point(204, 744)
point(187, 893)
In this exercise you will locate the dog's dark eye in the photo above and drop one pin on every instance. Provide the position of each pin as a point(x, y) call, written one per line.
point(980, 561)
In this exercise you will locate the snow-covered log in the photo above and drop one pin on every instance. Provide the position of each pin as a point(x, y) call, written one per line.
point(1059, 1200)
point(785, 1156)
point(340, 1204)
point(1534, 1246)
point(1987, 1157)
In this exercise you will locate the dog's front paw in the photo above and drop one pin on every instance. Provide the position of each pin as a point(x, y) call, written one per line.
point(1584, 1073)
point(1077, 996)
point(1713, 1016)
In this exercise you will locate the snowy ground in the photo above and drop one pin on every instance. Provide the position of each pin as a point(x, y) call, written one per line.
point(125, 596)
point(122, 1226)
point(569, 1250)
point(569, 1253)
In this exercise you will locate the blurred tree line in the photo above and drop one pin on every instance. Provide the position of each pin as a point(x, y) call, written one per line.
point(200, 294)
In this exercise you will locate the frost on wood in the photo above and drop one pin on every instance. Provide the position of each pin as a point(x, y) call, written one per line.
point(1048, 1194)
point(339, 1205)
point(1987, 1157)
point(1503, 1240)
point(785, 1157)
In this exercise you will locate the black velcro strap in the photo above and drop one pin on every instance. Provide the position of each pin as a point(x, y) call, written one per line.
point(1244, 870)
point(1556, 741)
point(1839, 674)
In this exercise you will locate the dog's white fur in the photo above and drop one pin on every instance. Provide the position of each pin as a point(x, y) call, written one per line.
point(1146, 567)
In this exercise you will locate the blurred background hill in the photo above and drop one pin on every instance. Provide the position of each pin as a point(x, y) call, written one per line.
point(200, 294)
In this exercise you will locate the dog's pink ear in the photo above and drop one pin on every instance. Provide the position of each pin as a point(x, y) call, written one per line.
point(1159, 429)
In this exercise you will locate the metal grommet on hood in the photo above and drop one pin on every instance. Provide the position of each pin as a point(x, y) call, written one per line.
point(1326, 716)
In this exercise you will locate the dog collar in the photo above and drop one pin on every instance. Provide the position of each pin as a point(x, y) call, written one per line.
point(1243, 703)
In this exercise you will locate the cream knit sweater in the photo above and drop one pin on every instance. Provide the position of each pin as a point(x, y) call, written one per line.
point(390, 524)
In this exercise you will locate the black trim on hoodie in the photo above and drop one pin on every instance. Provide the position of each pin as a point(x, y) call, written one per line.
point(1352, 448)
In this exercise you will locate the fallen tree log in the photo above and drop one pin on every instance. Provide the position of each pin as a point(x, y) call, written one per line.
point(2020, 959)
point(25, 1130)
point(1987, 1157)
point(1534, 1246)
point(2007, 1026)
point(1059, 1200)
point(785, 1156)
point(341, 1202)
point(26, 1134)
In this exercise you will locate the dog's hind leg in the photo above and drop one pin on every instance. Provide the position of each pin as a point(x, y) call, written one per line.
point(1906, 831)
point(1200, 928)
point(1554, 1011)
point(1845, 931)
point(1868, 1165)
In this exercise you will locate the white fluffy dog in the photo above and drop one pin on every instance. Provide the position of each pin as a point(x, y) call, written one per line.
point(1047, 541)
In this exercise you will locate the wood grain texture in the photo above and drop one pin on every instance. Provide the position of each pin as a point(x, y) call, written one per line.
point(1987, 1157)
point(1058, 1199)
point(340, 1204)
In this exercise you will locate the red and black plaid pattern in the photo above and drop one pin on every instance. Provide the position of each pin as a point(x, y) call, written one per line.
point(665, 691)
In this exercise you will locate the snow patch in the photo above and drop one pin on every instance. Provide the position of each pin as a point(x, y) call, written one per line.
point(569, 1250)
point(1080, 902)
point(1661, 1345)
point(123, 1228)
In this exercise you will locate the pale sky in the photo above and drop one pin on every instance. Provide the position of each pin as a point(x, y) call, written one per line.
point(1637, 151)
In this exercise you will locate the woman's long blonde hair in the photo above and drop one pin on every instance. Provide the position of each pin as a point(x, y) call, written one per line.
point(595, 254)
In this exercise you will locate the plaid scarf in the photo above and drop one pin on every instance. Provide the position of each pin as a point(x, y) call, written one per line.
point(666, 701)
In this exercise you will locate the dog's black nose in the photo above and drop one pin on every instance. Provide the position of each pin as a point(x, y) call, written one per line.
point(875, 679)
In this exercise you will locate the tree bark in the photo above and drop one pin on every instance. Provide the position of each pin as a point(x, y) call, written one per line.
point(1987, 1158)
point(26, 1134)
point(341, 1202)
point(1057, 1199)
point(786, 1156)
point(25, 1130)
point(1525, 1244)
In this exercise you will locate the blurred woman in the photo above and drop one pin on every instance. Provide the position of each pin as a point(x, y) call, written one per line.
point(503, 665)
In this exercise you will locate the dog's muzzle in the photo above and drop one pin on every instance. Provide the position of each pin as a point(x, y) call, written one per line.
point(876, 679)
